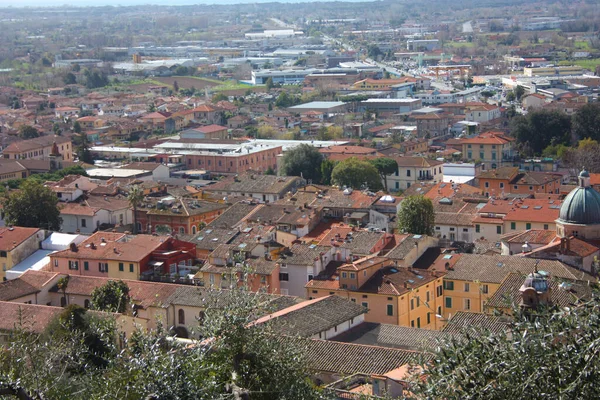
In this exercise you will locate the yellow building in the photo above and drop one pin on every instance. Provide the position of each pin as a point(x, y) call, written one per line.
point(16, 244)
point(472, 279)
point(393, 295)
point(489, 147)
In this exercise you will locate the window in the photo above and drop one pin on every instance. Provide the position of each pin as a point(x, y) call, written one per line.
point(501, 185)
point(467, 286)
point(515, 187)
point(499, 230)
point(130, 267)
point(181, 317)
point(3, 254)
point(408, 172)
point(418, 322)
point(477, 228)
point(283, 276)
point(83, 223)
point(365, 304)
point(493, 156)
point(103, 267)
point(469, 155)
point(121, 267)
point(427, 297)
point(448, 285)
point(487, 184)
point(310, 277)
point(485, 289)
point(86, 265)
point(344, 274)
point(63, 301)
point(352, 275)
point(86, 303)
point(390, 309)
point(513, 225)
point(412, 324)
point(467, 304)
point(428, 318)
point(438, 291)
point(545, 226)
point(527, 225)
point(465, 229)
point(448, 302)
point(481, 155)
point(73, 265)
point(418, 301)
point(530, 187)
point(412, 304)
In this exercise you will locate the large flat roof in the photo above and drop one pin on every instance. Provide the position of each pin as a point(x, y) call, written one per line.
point(316, 105)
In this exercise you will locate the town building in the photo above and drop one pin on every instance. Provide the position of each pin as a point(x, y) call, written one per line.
point(492, 148)
point(42, 147)
point(121, 256)
point(16, 244)
point(511, 180)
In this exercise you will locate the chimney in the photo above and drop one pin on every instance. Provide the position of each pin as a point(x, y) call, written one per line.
point(73, 247)
point(92, 246)
point(405, 285)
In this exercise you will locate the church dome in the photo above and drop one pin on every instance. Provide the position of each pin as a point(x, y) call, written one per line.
point(582, 205)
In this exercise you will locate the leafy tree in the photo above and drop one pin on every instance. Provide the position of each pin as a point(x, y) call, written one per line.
point(586, 122)
point(219, 97)
point(357, 174)
point(510, 96)
point(519, 92)
point(385, 166)
point(266, 132)
point(545, 354)
point(33, 206)
point(416, 215)
point(182, 71)
point(83, 149)
point(270, 171)
point(243, 360)
point(269, 84)
point(113, 296)
point(327, 167)
point(76, 127)
point(76, 68)
point(284, 100)
point(585, 154)
point(541, 128)
point(69, 79)
point(28, 132)
point(56, 128)
point(135, 197)
point(303, 160)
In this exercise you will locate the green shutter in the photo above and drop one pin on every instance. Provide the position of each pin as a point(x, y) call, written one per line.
point(121, 267)
point(130, 267)
point(448, 302)
point(86, 265)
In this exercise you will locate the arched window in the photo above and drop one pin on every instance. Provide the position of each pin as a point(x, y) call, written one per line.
point(86, 303)
point(193, 230)
point(182, 230)
point(181, 317)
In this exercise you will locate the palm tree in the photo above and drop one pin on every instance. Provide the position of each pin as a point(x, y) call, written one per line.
point(135, 197)
point(62, 286)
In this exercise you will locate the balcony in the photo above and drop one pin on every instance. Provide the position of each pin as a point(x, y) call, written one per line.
point(425, 177)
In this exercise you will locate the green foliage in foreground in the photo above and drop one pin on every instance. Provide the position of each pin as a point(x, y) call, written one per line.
point(553, 354)
point(78, 358)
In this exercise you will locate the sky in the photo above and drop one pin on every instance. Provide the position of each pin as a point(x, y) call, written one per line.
point(54, 3)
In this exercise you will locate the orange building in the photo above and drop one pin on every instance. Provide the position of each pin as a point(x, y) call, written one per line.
point(509, 180)
point(183, 216)
point(493, 148)
point(393, 295)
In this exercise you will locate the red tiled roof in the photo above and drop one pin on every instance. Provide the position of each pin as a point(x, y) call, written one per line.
point(489, 138)
point(11, 238)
